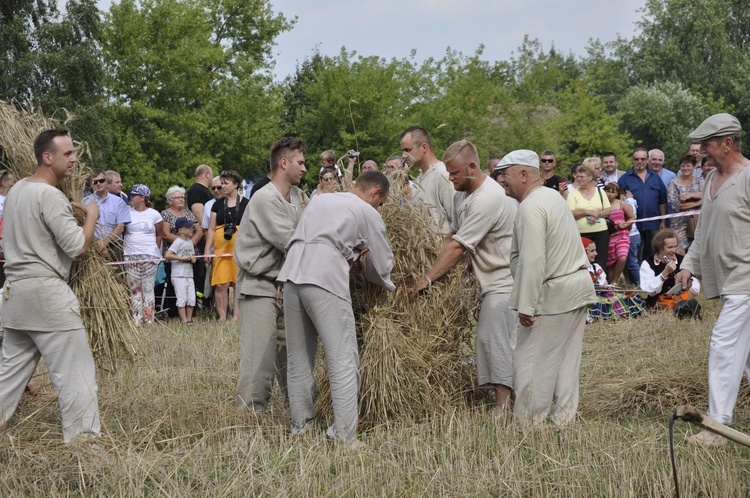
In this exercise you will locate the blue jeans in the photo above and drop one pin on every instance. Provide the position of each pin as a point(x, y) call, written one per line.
point(632, 262)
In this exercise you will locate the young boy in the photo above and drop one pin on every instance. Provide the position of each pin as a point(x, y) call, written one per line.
point(182, 253)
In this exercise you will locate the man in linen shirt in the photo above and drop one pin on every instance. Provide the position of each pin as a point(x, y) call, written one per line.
point(317, 302)
point(431, 186)
point(719, 257)
point(40, 314)
point(552, 290)
point(265, 229)
point(483, 227)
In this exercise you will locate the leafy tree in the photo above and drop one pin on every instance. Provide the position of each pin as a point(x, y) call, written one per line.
point(661, 115)
point(702, 44)
point(189, 83)
point(52, 60)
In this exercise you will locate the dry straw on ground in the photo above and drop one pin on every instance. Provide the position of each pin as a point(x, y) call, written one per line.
point(171, 429)
point(104, 298)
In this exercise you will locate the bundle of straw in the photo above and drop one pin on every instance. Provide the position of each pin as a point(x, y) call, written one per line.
point(413, 348)
point(103, 297)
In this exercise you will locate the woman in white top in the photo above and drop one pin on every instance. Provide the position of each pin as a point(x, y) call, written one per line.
point(141, 241)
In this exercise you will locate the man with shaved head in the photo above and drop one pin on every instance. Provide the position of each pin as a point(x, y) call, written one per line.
point(431, 186)
point(482, 227)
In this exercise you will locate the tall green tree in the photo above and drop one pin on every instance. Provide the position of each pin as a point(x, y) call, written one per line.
point(701, 44)
point(190, 84)
point(52, 60)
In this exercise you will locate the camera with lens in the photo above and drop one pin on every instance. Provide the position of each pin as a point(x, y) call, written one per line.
point(229, 229)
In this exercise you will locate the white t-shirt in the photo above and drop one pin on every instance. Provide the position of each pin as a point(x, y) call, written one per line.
point(140, 234)
point(206, 221)
point(182, 248)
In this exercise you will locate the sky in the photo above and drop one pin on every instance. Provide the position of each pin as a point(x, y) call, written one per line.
point(393, 28)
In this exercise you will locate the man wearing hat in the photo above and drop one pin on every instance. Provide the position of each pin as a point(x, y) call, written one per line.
point(552, 290)
point(482, 226)
point(720, 258)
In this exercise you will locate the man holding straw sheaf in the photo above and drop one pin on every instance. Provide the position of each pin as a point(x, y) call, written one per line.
point(40, 313)
point(719, 257)
point(482, 226)
point(552, 290)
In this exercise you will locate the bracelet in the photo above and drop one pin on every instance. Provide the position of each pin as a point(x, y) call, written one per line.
point(662, 277)
point(429, 282)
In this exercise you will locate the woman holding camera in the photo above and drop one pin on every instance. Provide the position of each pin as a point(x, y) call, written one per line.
point(226, 214)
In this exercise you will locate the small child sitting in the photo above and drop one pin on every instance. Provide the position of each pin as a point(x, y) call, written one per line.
point(182, 255)
point(610, 304)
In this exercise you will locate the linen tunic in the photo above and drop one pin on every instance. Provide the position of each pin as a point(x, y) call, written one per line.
point(548, 263)
point(42, 239)
point(266, 227)
point(435, 190)
point(483, 225)
point(330, 236)
point(720, 252)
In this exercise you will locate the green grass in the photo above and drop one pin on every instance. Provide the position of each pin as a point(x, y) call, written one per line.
point(171, 429)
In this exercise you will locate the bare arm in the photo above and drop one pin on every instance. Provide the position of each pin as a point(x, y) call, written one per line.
point(197, 209)
point(198, 234)
point(210, 234)
point(447, 259)
point(166, 231)
point(159, 233)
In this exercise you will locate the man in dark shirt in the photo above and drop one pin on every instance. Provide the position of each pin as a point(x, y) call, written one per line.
point(547, 164)
point(197, 196)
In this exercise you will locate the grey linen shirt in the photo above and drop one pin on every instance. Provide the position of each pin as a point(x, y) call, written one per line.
point(331, 234)
point(435, 190)
point(720, 253)
point(483, 225)
point(264, 231)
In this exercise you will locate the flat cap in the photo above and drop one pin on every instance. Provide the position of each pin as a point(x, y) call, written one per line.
point(718, 125)
point(520, 157)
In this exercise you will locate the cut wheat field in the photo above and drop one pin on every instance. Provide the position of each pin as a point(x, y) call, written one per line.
point(171, 429)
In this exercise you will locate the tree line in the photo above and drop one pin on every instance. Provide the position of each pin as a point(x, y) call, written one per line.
point(157, 87)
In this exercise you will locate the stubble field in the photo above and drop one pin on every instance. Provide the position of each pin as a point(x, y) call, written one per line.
point(171, 429)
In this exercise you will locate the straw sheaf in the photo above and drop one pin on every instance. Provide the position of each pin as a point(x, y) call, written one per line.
point(411, 346)
point(104, 298)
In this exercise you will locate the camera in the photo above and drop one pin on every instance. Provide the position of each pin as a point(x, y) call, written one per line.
point(229, 229)
point(353, 153)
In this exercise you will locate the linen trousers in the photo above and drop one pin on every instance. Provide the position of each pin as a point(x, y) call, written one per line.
point(728, 356)
point(71, 368)
point(496, 338)
point(546, 363)
point(313, 312)
point(262, 350)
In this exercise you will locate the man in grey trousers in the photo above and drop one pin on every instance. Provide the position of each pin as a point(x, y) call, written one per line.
point(317, 301)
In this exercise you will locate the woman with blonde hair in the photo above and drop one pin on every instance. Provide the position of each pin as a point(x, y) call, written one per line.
point(590, 209)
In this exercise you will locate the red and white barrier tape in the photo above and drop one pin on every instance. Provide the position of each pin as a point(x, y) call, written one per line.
point(156, 260)
point(673, 215)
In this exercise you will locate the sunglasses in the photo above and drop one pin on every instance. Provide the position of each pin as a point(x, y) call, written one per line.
point(97, 182)
point(547, 160)
point(217, 188)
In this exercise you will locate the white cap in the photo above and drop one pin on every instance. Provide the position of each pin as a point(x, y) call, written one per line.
point(521, 157)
